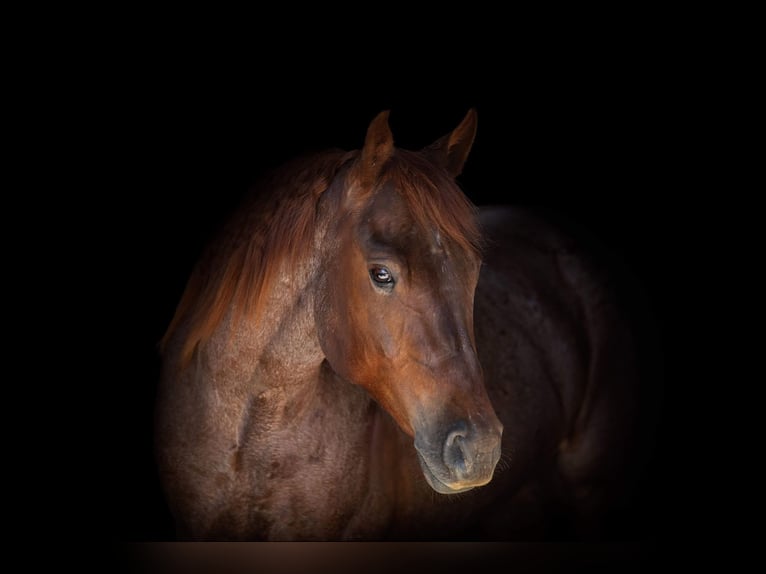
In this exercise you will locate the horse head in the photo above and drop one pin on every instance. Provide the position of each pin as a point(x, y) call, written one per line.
point(394, 305)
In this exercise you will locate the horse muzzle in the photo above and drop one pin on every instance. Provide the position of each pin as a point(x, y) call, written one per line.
point(463, 457)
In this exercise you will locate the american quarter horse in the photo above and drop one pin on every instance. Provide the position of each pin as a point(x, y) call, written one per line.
point(364, 354)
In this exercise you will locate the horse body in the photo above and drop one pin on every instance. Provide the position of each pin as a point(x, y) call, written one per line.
point(367, 388)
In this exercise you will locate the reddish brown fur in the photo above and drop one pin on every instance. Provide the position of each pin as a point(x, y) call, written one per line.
point(297, 418)
point(429, 195)
point(271, 229)
point(238, 270)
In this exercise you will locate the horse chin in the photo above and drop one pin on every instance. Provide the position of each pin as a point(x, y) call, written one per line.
point(438, 485)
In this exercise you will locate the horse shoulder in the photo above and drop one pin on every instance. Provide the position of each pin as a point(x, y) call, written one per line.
point(203, 413)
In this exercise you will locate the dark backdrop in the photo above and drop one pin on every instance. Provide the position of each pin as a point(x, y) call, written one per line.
point(585, 139)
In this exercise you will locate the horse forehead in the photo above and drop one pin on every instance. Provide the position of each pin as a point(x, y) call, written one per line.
point(388, 219)
point(387, 207)
point(403, 234)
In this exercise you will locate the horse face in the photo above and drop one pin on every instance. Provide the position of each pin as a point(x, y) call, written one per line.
point(395, 315)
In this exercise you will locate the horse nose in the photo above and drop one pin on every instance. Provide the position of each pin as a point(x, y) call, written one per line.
point(471, 453)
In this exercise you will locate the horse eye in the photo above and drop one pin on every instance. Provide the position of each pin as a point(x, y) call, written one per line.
point(381, 275)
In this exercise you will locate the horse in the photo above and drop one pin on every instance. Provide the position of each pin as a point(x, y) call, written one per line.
point(363, 354)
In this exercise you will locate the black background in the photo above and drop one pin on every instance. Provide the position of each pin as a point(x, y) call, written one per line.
point(586, 131)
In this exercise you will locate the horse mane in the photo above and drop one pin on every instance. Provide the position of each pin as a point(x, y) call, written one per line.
point(275, 225)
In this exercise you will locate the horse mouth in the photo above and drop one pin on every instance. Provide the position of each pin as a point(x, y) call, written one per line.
point(442, 487)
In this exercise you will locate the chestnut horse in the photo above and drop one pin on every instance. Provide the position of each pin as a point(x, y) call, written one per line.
point(362, 354)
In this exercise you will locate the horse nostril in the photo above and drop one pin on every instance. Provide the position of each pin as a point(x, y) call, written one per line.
point(458, 432)
point(454, 450)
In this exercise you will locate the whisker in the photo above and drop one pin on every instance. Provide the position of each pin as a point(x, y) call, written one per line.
point(504, 463)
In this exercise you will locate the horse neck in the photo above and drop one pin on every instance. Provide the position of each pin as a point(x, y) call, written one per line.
point(279, 356)
point(280, 348)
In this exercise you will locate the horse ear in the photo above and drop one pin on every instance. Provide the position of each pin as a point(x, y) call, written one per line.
point(378, 147)
point(452, 150)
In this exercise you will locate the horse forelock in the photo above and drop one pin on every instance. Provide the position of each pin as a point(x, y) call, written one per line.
point(434, 199)
point(237, 271)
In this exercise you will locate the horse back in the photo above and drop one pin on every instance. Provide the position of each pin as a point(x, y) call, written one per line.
point(559, 356)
